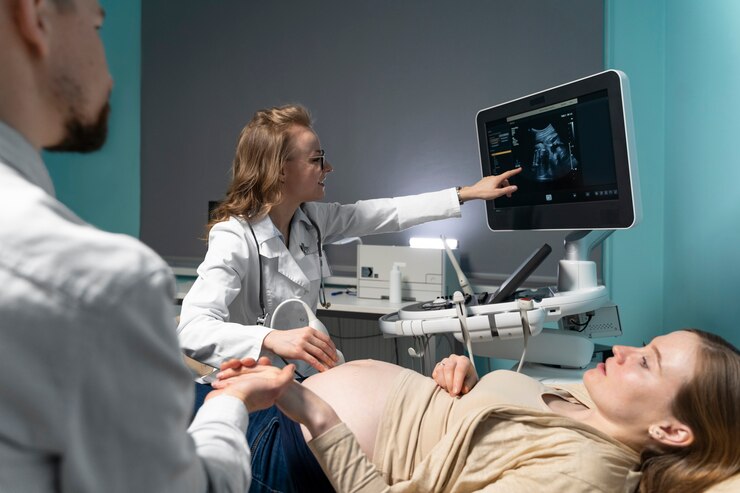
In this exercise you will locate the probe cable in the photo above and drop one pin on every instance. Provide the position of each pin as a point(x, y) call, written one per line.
point(459, 300)
point(525, 304)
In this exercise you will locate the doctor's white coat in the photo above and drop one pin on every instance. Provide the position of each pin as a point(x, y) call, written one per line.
point(219, 314)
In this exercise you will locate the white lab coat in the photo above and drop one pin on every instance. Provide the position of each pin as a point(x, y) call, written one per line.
point(219, 313)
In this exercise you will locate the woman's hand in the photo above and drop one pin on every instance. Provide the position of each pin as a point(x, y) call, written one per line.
point(307, 344)
point(256, 385)
point(490, 187)
point(455, 374)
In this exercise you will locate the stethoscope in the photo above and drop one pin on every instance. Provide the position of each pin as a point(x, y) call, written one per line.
point(322, 291)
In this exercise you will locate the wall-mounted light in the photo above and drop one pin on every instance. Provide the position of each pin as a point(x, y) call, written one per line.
point(416, 242)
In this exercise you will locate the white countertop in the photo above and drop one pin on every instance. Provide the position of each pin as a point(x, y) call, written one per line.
point(352, 304)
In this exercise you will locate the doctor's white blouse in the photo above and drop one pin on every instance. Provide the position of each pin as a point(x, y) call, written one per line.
point(219, 314)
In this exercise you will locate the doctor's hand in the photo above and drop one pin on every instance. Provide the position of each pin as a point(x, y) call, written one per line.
point(256, 385)
point(491, 187)
point(455, 374)
point(307, 344)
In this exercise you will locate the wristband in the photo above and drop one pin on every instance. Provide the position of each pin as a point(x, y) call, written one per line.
point(459, 199)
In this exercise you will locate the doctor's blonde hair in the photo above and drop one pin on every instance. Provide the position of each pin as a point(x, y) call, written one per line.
point(263, 148)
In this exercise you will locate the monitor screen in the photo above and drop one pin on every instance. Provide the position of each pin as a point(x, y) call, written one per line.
point(573, 145)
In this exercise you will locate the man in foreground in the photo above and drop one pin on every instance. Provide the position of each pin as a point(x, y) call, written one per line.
point(95, 396)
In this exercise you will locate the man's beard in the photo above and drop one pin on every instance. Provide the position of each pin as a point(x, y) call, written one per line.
point(84, 137)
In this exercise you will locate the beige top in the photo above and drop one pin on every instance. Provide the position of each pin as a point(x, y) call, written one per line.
point(500, 437)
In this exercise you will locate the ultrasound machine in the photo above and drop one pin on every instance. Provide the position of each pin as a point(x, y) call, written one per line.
point(575, 145)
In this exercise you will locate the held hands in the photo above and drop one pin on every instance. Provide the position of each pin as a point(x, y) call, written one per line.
point(455, 374)
point(297, 401)
point(258, 385)
point(491, 187)
point(307, 344)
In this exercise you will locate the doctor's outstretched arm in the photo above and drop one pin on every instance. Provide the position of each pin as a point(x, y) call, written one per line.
point(490, 187)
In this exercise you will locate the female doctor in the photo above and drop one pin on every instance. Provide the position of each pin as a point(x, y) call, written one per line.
point(265, 242)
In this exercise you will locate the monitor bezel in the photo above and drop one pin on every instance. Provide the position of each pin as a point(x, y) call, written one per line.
point(620, 213)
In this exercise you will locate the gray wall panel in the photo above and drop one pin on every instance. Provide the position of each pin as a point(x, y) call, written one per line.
point(393, 86)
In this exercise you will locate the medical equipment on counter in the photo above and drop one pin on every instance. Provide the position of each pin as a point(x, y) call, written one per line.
point(425, 275)
point(575, 145)
point(322, 292)
point(461, 277)
point(484, 322)
point(497, 329)
point(303, 369)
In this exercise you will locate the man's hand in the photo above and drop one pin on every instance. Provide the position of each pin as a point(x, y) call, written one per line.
point(455, 374)
point(307, 344)
point(257, 385)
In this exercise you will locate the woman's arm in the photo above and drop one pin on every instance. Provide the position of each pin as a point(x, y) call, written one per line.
point(297, 402)
point(333, 444)
point(335, 447)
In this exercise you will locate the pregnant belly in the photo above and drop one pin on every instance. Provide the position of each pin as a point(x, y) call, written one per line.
point(358, 391)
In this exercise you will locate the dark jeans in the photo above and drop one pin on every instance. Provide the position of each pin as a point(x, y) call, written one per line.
point(281, 460)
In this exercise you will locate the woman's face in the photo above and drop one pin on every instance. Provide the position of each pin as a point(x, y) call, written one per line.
point(303, 176)
point(638, 385)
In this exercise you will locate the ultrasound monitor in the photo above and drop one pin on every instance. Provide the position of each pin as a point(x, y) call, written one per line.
point(575, 147)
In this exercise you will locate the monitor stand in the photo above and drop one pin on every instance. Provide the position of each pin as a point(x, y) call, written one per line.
point(575, 273)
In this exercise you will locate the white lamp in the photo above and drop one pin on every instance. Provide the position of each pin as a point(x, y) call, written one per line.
point(418, 242)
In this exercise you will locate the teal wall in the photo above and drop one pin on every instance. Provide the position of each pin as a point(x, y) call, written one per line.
point(702, 227)
point(681, 266)
point(104, 187)
point(634, 267)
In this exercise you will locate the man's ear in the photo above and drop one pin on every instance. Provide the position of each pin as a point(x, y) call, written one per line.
point(33, 20)
point(672, 433)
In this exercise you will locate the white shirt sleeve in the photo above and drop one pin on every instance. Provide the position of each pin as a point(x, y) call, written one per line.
point(130, 401)
point(218, 431)
point(367, 217)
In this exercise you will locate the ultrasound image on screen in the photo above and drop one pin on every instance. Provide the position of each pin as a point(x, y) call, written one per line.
point(548, 145)
point(552, 156)
point(545, 147)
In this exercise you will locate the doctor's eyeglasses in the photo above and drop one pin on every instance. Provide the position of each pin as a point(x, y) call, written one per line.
point(319, 159)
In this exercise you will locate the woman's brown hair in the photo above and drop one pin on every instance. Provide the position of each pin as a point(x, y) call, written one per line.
point(263, 147)
point(708, 404)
